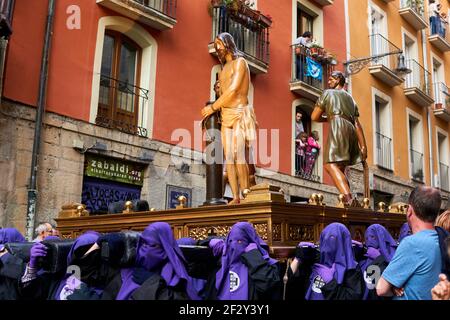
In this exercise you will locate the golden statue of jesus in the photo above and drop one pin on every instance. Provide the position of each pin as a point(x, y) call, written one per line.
point(237, 117)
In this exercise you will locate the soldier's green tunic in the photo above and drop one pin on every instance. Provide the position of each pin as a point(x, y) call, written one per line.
point(342, 144)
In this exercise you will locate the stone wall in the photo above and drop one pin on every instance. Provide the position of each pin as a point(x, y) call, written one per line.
point(60, 171)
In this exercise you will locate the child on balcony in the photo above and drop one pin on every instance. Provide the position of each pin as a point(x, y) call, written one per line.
point(301, 142)
point(312, 152)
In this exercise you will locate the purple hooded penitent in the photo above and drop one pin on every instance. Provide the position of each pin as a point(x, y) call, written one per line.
point(335, 251)
point(158, 251)
point(405, 231)
point(379, 238)
point(86, 239)
point(233, 270)
point(10, 235)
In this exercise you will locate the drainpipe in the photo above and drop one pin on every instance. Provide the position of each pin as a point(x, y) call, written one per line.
point(32, 191)
point(430, 129)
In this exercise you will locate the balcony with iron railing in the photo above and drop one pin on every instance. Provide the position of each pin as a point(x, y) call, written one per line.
point(308, 170)
point(440, 35)
point(311, 67)
point(249, 28)
point(418, 84)
point(384, 151)
point(119, 105)
point(444, 176)
point(413, 11)
point(6, 13)
point(158, 14)
point(442, 101)
point(417, 166)
point(382, 66)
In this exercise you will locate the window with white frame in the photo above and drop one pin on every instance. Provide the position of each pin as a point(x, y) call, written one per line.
point(443, 157)
point(416, 156)
point(124, 76)
point(383, 134)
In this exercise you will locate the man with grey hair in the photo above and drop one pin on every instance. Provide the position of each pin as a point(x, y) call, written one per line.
point(42, 231)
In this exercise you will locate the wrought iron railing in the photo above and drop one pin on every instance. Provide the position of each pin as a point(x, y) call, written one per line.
point(444, 178)
point(384, 151)
point(168, 7)
point(307, 168)
point(417, 165)
point(416, 5)
point(441, 29)
point(122, 98)
point(441, 95)
point(251, 37)
point(419, 77)
point(379, 45)
point(304, 58)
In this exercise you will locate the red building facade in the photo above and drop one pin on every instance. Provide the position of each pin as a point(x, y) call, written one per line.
point(127, 82)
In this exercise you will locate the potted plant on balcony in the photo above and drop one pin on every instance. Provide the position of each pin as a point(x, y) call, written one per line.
point(315, 49)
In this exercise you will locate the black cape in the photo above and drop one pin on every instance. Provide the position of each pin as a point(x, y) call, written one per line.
point(352, 288)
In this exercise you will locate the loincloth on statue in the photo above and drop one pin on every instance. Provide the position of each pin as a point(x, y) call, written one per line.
point(242, 119)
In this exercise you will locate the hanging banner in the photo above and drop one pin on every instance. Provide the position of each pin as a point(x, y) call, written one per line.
point(114, 170)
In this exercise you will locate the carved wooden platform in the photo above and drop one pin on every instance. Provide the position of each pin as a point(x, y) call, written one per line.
point(279, 224)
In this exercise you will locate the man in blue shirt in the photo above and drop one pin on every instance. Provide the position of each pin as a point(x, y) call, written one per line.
point(416, 265)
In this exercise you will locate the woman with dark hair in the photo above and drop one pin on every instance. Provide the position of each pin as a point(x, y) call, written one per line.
point(334, 276)
point(246, 271)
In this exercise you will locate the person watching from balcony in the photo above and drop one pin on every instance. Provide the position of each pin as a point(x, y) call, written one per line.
point(312, 152)
point(299, 128)
point(300, 152)
point(433, 14)
point(304, 41)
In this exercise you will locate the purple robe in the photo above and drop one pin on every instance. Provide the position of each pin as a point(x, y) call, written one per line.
point(10, 235)
point(232, 278)
point(335, 249)
point(69, 283)
point(158, 251)
point(379, 238)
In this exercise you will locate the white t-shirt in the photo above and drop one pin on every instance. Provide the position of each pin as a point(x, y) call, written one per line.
point(302, 41)
point(432, 9)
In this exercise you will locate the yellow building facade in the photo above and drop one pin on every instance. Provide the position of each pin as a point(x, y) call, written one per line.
point(406, 117)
